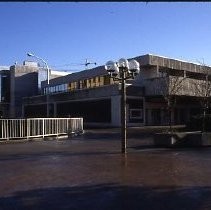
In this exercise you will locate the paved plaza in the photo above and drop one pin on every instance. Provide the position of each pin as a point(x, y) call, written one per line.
point(89, 173)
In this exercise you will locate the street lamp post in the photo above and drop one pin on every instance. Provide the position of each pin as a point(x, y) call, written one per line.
point(48, 79)
point(121, 71)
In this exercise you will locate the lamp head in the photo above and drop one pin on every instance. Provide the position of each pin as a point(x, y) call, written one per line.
point(123, 63)
point(134, 66)
point(110, 66)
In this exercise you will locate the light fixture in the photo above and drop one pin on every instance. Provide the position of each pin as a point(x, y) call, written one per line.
point(121, 71)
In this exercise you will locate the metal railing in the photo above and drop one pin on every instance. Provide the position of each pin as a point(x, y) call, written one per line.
point(39, 127)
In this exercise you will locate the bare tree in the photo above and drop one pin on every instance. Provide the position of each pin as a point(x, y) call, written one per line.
point(170, 84)
point(202, 88)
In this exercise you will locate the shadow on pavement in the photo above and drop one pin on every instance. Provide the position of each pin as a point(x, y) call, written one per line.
point(110, 197)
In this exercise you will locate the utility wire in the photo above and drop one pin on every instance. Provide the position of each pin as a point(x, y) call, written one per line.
point(76, 64)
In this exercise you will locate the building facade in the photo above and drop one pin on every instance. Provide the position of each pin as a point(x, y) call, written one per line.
point(19, 81)
point(4, 91)
point(23, 83)
point(180, 83)
point(91, 94)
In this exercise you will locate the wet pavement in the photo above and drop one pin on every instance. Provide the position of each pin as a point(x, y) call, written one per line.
point(89, 173)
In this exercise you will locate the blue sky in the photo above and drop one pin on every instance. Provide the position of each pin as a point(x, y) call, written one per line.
point(65, 34)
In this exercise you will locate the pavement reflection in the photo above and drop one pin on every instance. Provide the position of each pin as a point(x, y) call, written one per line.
point(89, 172)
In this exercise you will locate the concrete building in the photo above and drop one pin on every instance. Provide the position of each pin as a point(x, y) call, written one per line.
point(91, 94)
point(181, 80)
point(4, 91)
point(23, 83)
point(18, 81)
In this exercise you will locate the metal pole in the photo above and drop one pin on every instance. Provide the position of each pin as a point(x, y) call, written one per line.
point(123, 112)
point(48, 79)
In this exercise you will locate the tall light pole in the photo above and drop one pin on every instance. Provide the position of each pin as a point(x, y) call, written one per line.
point(48, 78)
point(121, 71)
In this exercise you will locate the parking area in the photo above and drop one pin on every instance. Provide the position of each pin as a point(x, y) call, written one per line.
point(89, 172)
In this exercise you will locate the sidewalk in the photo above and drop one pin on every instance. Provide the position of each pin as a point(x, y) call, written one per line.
point(90, 173)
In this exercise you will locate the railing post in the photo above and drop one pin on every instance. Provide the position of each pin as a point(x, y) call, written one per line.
point(57, 127)
point(82, 125)
point(7, 130)
point(43, 128)
point(27, 129)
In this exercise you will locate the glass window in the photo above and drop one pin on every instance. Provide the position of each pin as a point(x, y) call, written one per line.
point(101, 80)
point(75, 85)
point(107, 80)
point(91, 83)
point(72, 86)
point(63, 87)
point(87, 83)
point(55, 88)
point(50, 89)
point(80, 84)
point(97, 81)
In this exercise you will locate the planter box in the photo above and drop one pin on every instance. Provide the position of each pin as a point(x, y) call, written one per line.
point(196, 138)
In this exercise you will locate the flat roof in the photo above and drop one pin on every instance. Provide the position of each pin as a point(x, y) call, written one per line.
point(4, 68)
point(180, 60)
point(144, 60)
